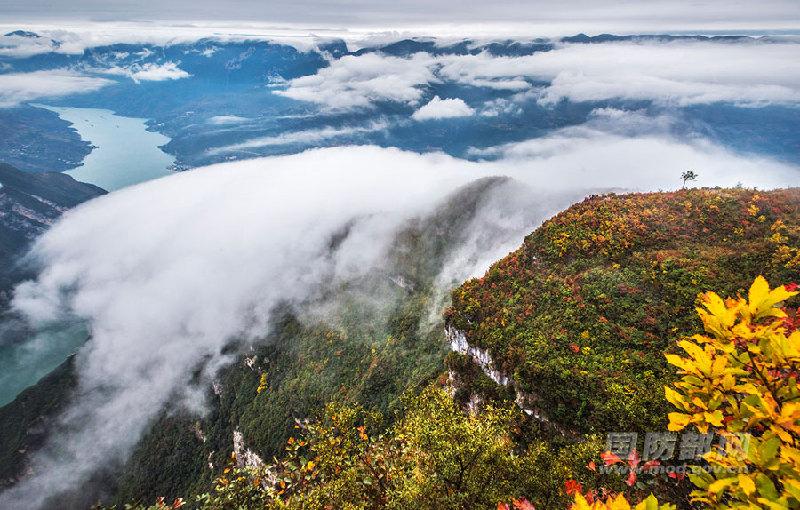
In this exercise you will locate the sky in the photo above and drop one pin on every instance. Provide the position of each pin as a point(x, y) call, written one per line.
point(567, 15)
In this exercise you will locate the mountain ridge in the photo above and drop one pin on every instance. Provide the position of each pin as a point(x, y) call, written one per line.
point(29, 204)
point(577, 320)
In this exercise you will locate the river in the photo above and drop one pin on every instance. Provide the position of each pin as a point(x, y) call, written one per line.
point(125, 152)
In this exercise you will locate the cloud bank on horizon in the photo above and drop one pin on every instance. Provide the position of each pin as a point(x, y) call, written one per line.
point(674, 74)
point(18, 88)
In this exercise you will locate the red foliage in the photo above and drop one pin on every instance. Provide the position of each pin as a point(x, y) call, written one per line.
point(631, 478)
point(523, 504)
point(572, 487)
point(610, 459)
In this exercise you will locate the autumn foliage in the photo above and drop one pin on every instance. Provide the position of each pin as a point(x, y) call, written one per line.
point(583, 312)
point(617, 502)
point(739, 379)
point(582, 319)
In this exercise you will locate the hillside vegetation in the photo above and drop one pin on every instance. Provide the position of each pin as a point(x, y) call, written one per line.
point(578, 321)
point(365, 411)
point(580, 316)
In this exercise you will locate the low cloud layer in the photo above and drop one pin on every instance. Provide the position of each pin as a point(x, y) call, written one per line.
point(224, 120)
point(361, 81)
point(673, 73)
point(149, 72)
point(438, 108)
point(306, 137)
point(168, 272)
point(17, 88)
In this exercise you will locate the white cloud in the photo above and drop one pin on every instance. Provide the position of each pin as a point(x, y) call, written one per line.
point(306, 137)
point(679, 73)
point(20, 46)
point(222, 120)
point(500, 106)
point(629, 123)
point(438, 108)
point(618, 155)
point(75, 37)
point(352, 82)
point(17, 88)
point(540, 17)
point(675, 73)
point(165, 284)
point(149, 72)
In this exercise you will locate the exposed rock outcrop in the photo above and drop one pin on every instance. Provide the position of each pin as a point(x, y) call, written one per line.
point(526, 401)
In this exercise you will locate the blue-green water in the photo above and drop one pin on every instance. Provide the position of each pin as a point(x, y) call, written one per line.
point(125, 152)
point(22, 365)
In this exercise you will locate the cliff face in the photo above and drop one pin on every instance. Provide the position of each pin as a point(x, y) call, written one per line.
point(29, 204)
point(580, 316)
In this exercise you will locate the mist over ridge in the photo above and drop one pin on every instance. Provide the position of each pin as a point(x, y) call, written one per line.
point(168, 272)
point(319, 177)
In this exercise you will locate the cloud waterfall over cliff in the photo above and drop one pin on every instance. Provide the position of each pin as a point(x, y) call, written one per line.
point(166, 274)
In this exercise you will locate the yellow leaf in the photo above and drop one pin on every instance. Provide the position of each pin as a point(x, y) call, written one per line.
point(714, 418)
point(678, 421)
point(719, 485)
point(762, 300)
point(679, 362)
point(619, 503)
point(649, 503)
point(714, 304)
point(580, 503)
point(792, 487)
point(758, 292)
point(747, 484)
point(674, 398)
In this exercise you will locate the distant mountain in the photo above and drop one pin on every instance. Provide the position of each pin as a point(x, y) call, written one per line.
point(220, 100)
point(29, 204)
point(23, 33)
